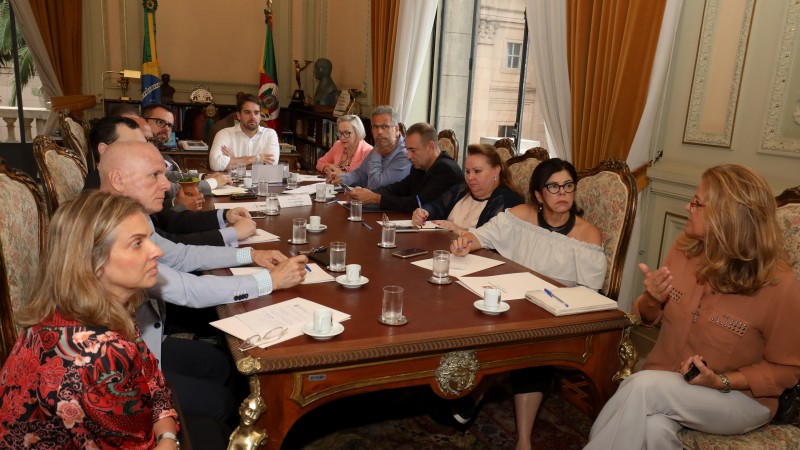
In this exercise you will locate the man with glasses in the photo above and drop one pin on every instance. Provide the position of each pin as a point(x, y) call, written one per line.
point(387, 162)
point(161, 120)
point(433, 172)
point(247, 142)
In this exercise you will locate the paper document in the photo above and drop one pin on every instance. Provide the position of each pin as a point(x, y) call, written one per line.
point(573, 300)
point(228, 190)
point(260, 236)
point(250, 206)
point(305, 178)
point(306, 189)
point(462, 265)
point(292, 314)
point(289, 201)
point(405, 226)
point(317, 274)
point(512, 286)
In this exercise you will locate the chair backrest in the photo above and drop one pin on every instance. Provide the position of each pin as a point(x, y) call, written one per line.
point(607, 195)
point(449, 143)
point(22, 236)
point(226, 122)
point(789, 219)
point(62, 171)
point(75, 133)
point(505, 148)
point(520, 169)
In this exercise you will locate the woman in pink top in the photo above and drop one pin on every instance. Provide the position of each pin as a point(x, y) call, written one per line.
point(727, 303)
point(348, 152)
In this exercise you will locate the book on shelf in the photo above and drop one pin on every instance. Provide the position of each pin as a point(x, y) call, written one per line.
point(570, 300)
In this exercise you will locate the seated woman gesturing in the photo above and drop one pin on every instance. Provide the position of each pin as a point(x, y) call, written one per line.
point(79, 376)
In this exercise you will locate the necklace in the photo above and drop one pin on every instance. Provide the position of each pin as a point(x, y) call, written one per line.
point(563, 229)
point(696, 312)
point(478, 199)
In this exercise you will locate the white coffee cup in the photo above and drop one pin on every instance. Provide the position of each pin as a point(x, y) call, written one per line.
point(353, 273)
point(248, 182)
point(491, 298)
point(323, 320)
point(314, 222)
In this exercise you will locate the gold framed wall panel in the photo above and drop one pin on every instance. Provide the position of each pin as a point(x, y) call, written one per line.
point(780, 134)
point(721, 52)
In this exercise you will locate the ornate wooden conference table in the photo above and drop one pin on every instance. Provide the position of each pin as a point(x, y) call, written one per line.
point(447, 343)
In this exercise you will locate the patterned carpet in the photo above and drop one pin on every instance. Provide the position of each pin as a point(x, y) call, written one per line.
point(405, 419)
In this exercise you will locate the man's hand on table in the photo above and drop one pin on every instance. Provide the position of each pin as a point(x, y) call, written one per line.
point(236, 214)
point(220, 178)
point(268, 258)
point(244, 229)
point(288, 273)
point(365, 195)
point(333, 178)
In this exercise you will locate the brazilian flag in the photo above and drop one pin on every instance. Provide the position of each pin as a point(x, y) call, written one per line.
point(151, 74)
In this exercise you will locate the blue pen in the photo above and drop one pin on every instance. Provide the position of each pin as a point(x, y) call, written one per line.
point(365, 224)
point(547, 291)
point(291, 252)
point(420, 206)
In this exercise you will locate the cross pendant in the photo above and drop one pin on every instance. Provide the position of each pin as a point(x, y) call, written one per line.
point(695, 314)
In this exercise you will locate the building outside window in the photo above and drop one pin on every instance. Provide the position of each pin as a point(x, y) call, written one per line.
point(513, 55)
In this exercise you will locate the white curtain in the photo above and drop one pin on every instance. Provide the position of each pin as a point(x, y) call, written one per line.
point(44, 67)
point(547, 31)
point(640, 149)
point(414, 27)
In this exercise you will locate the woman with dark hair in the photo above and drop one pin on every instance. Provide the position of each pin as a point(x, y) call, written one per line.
point(550, 238)
point(727, 302)
point(487, 192)
point(79, 375)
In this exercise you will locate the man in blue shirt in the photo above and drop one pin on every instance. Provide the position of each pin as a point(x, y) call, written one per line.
point(387, 162)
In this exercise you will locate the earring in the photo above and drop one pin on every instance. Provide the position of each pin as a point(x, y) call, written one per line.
point(495, 178)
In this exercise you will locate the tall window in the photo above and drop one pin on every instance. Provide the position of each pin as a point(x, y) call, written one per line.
point(484, 100)
point(513, 54)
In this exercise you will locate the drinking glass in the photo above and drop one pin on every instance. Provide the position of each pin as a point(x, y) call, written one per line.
point(338, 256)
point(299, 231)
point(392, 306)
point(441, 263)
point(388, 234)
point(263, 188)
point(291, 182)
point(355, 210)
point(321, 192)
point(273, 206)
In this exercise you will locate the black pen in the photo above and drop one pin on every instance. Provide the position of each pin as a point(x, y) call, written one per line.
point(547, 291)
point(291, 252)
point(365, 224)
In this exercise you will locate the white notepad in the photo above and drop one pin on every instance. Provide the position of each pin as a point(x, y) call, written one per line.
point(578, 300)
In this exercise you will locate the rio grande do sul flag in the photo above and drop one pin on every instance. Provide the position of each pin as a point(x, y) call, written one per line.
point(151, 74)
point(268, 74)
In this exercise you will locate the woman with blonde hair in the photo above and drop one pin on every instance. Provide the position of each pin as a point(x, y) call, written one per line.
point(349, 151)
point(727, 303)
point(79, 375)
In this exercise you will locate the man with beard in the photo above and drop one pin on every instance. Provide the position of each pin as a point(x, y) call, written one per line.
point(247, 142)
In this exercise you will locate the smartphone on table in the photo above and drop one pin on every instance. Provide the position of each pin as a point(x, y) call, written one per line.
point(409, 252)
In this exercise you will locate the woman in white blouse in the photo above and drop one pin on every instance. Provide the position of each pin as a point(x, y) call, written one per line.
point(550, 238)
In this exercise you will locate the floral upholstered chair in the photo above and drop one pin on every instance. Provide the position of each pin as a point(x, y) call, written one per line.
point(520, 169)
point(505, 148)
point(449, 143)
point(771, 436)
point(22, 233)
point(62, 171)
point(76, 137)
point(607, 195)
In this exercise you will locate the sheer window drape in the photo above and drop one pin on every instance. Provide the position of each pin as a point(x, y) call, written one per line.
point(383, 27)
point(413, 38)
point(611, 47)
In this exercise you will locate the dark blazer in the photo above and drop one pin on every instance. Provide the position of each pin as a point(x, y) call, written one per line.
point(427, 184)
point(501, 198)
point(189, 227)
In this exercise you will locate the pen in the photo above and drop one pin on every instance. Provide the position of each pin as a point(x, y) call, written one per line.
point(420, 206)
point(469, 242)
point(332, 201)
point(291, 252)
point(365, 224)
point(547, 291)
point(498, 287)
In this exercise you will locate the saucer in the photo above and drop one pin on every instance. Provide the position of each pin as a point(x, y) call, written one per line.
point(402, 321)
point(336, 329)
point(297, 243)
point(503, 307)
point(324, 199)
point(351, 219)
point(445, 280)
point(342, 279)
point(342, 269)
point(316, 230)
point(386, 246)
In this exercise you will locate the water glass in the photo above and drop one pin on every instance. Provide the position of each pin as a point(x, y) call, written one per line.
point(263, 188)
point(338, 256)
point(392, 305)
point(299, 231)
point(355, 210)
point(441, 263)
point(273, 206)
point(248, 182)
point(285, 171)
point(388, 234)
point(321, 192)
point(238, 172)
point(291, 182)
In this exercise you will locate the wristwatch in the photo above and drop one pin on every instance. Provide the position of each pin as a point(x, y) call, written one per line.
point(726, 383)
point(169, 435)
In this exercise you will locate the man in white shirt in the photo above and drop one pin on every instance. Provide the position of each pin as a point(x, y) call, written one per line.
point(247, 142)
